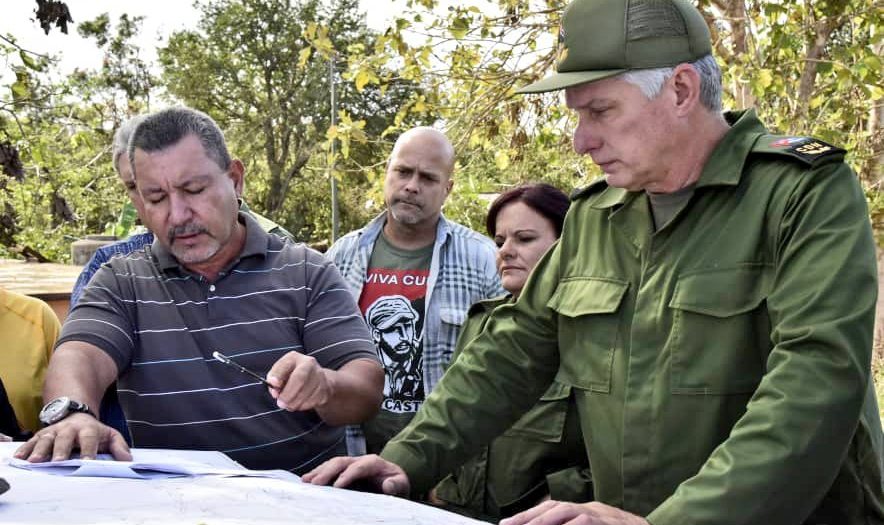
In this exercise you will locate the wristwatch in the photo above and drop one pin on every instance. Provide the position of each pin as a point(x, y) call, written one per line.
point(60, 408)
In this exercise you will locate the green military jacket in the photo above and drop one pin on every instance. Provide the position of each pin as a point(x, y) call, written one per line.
point(542, 454)
point(721, 364)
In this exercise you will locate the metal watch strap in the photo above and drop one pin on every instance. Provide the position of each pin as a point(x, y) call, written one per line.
point(76, 406)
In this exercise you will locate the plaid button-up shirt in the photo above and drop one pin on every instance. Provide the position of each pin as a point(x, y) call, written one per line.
point(103, 255)
point(462, 271)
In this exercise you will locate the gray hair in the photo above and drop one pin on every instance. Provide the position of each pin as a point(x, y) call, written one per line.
point(121, 139)
point(166, 128)
point(650, 81)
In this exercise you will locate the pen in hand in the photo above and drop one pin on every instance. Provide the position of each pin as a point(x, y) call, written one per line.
point(230, 362)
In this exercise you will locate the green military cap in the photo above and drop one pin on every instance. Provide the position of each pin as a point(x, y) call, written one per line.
point(602, 38)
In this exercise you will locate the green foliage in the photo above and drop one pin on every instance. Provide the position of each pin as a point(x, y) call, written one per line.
point(64, 193)
point(469, 63)
point(123, 68)
point(261, 69)
point(126, 221)
point(811, 68)
point(61, 131)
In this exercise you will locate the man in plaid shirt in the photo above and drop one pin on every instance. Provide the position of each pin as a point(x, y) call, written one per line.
point(414, 274)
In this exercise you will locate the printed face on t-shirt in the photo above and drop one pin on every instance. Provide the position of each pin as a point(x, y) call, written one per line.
point(393, 322)
point(397, 341)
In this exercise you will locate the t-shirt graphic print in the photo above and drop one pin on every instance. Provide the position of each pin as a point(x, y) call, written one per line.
point(392, 302)
point(393, 305)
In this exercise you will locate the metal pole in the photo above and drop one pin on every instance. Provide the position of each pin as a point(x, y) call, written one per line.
point(334, 183)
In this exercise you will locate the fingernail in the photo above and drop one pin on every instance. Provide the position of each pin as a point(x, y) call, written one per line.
point(281, 405)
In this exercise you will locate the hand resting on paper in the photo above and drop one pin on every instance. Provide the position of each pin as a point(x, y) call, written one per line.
point(558, 512)
point(361, 473)
point(57, 441)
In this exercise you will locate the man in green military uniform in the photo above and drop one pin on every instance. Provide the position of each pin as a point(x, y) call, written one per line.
point(711, 302)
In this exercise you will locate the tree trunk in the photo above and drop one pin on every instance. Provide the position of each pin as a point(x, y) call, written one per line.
point(815, 51)
point(872, 172)
point(735, 13)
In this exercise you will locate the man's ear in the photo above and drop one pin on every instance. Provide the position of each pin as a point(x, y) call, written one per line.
point(449, 186)
point(237, 174)
point(685, 82)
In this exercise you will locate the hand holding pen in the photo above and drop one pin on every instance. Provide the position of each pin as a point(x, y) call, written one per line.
point(298, 382)
point(295, 381)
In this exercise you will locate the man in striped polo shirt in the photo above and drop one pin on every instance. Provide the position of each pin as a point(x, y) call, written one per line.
point(110, 411)
point(213, 280)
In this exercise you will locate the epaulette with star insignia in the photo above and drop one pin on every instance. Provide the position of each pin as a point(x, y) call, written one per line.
point(806, 149)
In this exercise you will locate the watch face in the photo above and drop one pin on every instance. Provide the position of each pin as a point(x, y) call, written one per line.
point(55, 410)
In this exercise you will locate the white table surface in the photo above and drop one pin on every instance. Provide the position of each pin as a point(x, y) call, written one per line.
point(37, 498)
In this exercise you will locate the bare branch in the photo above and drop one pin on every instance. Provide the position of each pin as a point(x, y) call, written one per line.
point(13, 44)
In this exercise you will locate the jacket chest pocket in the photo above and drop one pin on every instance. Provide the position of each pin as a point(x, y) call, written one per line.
point(588, 324)
point(721, 331)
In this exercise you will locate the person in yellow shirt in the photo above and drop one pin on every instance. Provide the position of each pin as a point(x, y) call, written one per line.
point(28, 329)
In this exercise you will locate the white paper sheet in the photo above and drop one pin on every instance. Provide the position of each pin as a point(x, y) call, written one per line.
point(38, 499)
point(152, 464)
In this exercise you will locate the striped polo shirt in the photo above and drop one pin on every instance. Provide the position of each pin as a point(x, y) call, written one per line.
point(161, 323)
